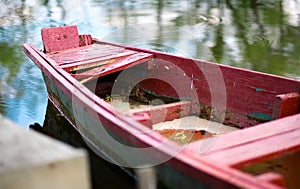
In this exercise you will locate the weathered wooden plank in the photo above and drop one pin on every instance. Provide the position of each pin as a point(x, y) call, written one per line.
point(250, 135)
point(258, 150)
point(286, 105)
point(102, 64)
point(60, 38)
point(94, 61)
point(85, 53)
point(161, 113)
point(118, 65)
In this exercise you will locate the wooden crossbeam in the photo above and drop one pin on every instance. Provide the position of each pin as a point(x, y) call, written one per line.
point(256, 144)
point(116, 65)
point(95, 61)
point(165, 112)
point(286, 105)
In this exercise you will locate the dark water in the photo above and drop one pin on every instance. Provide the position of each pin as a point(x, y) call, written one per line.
point(252, 34)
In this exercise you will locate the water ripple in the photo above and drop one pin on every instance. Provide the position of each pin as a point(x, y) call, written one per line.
point(190, 20)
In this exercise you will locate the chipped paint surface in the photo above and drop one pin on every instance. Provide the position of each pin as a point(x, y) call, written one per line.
point(258, 89)
point(258, 116)
point(85, 66)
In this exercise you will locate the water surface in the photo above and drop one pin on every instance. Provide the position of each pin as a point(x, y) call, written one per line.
point(257, 35)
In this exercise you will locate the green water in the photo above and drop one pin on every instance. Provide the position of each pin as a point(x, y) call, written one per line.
point(257, 35)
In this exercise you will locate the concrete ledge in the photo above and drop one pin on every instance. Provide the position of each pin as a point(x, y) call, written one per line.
point(30, 160)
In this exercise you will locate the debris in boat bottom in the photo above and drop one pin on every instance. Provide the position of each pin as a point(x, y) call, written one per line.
point(286, 165)
point(183, 136)
point(195, 123)
point(148, 97)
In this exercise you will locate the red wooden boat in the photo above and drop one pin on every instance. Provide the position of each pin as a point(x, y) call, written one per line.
point(198, 123)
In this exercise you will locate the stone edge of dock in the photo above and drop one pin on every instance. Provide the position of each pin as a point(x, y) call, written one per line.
point(30, 160)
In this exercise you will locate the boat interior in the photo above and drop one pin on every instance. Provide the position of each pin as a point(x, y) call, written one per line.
point(137, 84)
point(183, 99)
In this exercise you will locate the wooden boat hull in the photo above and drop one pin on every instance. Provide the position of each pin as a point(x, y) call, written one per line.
point(250, 99)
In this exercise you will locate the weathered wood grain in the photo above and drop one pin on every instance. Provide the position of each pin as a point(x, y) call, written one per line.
point(60, 38)
point(286, 105)
point(256, 144)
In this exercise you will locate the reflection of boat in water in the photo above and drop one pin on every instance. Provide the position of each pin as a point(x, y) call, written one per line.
point(122, 100)
point(103, 173)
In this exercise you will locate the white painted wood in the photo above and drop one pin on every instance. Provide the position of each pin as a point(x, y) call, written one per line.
point(30, 160)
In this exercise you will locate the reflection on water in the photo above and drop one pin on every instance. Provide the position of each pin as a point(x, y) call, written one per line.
point(257, 35)
point(103, 173)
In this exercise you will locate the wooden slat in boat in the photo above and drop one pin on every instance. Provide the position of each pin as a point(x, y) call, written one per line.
point(256, 144)
point(73, 59)
point(162, 113)
point(286, 105)
point(96, 52)
point(113, 66)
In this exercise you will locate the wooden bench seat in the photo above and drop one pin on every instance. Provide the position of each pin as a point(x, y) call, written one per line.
point(161, 113)
point(255, 144)
point(97, 60)
point(112, 66)
point(86, 58)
